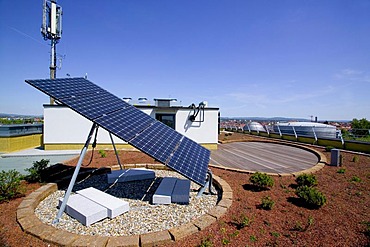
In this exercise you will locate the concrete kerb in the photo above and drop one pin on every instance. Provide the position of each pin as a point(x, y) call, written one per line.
point(32, 225)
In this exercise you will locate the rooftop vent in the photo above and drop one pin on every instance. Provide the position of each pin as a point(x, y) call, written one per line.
point(127, 99)
point(164, 102)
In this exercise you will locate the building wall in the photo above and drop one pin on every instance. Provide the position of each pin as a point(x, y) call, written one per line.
point(66, 129)
point(201, 132)
point(16, 137)
point(16, 143)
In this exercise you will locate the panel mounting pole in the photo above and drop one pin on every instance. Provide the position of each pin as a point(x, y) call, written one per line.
point(74, 177)
point(115, 150)
point(208, 184)
point(53, 67)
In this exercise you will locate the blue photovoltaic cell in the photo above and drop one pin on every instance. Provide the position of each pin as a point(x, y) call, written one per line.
point(125, 123)
point(61, 88)
point(130, 124)
point(191, 160)
point(158, 141)
point(95, 104)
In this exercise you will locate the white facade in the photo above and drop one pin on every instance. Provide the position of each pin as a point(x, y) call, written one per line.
point(65, 127)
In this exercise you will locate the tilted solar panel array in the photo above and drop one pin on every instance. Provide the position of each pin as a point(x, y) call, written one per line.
point(130, 124)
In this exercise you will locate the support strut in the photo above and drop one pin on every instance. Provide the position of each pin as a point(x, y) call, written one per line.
point(208, 184)
point(115, 150)
point(75, 173)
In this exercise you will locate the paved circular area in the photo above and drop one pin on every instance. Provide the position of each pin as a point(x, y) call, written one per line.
point(263, 157)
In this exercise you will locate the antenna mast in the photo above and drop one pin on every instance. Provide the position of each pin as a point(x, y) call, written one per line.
point(51, 29)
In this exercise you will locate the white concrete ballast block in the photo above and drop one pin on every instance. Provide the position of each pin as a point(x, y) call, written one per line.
point(84, 210)
point(114, 205)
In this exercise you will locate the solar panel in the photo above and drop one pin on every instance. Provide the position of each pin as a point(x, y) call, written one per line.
point(95, 104)
point(125, 123)
point(158, 141)
point(191, 160)
point(130, 124)
point(66, 87)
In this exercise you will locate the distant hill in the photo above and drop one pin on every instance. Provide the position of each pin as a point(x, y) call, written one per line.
point(12, 115)
point(264, 119)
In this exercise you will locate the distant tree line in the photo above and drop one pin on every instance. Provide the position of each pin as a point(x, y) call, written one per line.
point(359, 129)
point(6, 121)
point(360, 124)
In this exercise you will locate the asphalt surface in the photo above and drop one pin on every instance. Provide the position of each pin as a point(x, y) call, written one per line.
point(263, 157)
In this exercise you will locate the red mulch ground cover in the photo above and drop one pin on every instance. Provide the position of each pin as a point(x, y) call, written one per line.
point(343, 221)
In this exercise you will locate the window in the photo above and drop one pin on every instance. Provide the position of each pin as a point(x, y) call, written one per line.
point(167, 119)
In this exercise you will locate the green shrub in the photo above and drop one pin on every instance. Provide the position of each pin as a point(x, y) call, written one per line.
point(10, 185)
point(306, 179)
point(36, 170)
point(328, 148)
point(311, 196)
point(341, 170)
point(261, 180)
point(355, 159)
point(355, 179)
point(102, 153)
point(267, 203)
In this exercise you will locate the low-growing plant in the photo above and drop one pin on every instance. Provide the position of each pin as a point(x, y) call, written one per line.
point(328, 148)
point(10, 185)
point(35, 172)
point(253, 238)
point(261, 180)
point(306, 180)
point(206, 243)
point(225, 241)
point(355, 179)
point(341, 170)
point(367, 230)
point(102, 153)
point(235, 234)
point(243, 221)
point(310, 221)
point(311, 196)
point(355, 159)
point(267, 203)
point(275, 234)
point(298, 227)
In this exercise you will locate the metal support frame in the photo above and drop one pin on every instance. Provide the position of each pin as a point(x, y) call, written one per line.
point(75, 173)
point(341, 138)
point(295, 133)
point(115, 150)
point(279, 131)
point(314, 133)
point(208, 184)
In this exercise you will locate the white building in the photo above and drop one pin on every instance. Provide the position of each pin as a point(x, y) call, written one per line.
point(66, 129)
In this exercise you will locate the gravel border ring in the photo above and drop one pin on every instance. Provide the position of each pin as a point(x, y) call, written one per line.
point(32, 225)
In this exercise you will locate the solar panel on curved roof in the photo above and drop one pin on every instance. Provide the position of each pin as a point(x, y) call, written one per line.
point(129, 124)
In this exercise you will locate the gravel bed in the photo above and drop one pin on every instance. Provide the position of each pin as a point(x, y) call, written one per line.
point(142, 217)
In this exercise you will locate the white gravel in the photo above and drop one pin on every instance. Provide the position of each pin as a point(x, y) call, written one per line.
point(142, 217)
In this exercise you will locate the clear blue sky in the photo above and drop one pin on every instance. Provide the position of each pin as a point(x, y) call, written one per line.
point(249, 58)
